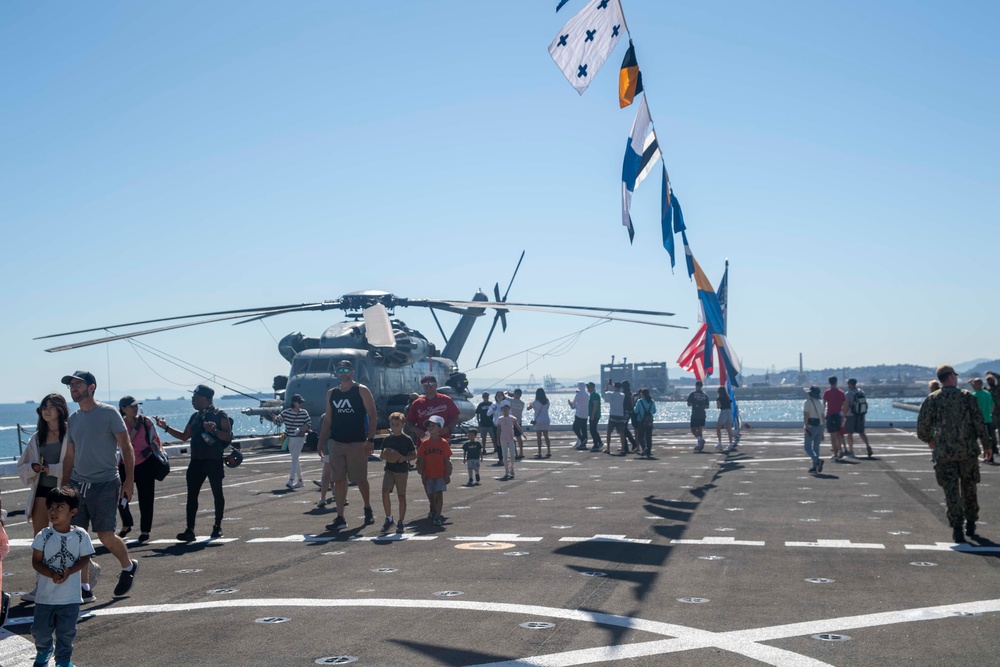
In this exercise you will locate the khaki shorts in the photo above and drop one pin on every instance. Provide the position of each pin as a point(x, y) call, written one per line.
point(397, 480)
point(348, 461)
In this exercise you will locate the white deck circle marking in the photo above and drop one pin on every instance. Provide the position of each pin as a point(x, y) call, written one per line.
point(223, 591)
point(188, 571)
point(385, 570)
point(272, 620)
point(485, 546)
point(333, 553)
point(594, 574)
point(336, 660)
point(693, 600)
point(924, 564)
point(537, 625)
point(516, 553)
point(448, 594)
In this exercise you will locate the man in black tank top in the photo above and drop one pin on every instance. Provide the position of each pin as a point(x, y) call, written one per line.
point(350, 423)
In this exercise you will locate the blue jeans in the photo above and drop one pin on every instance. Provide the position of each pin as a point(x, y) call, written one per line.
point(58, 618)
point(814, 436)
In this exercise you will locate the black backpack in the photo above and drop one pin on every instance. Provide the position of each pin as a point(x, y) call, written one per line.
point(859, 405)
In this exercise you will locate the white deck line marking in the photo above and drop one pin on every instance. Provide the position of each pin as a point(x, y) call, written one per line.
point(16, 651)
point(720, 540)
point(201, 539)
point(835, 544)
point(304, 539)
point(605, 538)
point(951, 546)
point(497, 537)
point(684, 638)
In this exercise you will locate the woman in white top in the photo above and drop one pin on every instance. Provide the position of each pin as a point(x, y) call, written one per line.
point(40, 466)
point(541, 408)
point(812, 416)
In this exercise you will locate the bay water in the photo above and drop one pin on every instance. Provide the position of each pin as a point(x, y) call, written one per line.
point(177, 412)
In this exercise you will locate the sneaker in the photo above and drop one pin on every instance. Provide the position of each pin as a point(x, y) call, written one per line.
point(322, 502)
point(597, 448)
point(730, 448)
point(505, 478)
point(812, 470)
point(143, 537)
point(850, 455)
point(216, 532)
point(438, 520)
point(387, 526)
point(338, 523)
point(187, 536)
point(698, 448)
point(512, 475)
point(94, 574)
point(289, 484)
point(477, 478)
point(399, 526)
point(298, 485)
point(819, 466)
point(718, 447)
point(4, 608)
point(87, 595)
point(64, 664)
point(126, 579)
point(869, 451)
point(42, 657)
point(369, 516)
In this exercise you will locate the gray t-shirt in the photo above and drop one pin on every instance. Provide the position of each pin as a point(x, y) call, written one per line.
point(616, 403)
point(96, 449)
point(850, 394)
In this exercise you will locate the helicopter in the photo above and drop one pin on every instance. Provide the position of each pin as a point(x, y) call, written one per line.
point(389, 357)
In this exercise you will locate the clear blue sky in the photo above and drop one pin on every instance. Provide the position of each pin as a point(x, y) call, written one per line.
point(166, 158)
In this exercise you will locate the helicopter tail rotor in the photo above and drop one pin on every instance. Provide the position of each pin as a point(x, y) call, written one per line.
point(501, 313)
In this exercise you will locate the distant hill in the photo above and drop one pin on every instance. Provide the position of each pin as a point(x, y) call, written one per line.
point(979, 369)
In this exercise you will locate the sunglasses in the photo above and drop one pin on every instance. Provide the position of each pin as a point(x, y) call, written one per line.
point(344, 371)
point(431, 384)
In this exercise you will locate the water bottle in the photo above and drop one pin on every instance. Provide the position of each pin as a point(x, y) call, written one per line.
point(207, 437)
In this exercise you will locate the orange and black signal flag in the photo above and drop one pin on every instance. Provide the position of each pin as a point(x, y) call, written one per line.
point(629, 78)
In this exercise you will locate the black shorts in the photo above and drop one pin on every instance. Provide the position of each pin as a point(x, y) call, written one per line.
point(833, 423)
point(697, 421)
point(617, 424)
point(855, 424)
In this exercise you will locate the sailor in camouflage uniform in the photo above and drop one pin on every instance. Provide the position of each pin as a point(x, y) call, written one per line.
point(950, 421)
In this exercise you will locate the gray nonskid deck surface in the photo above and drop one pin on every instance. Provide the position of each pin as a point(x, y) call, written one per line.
point(687, 559)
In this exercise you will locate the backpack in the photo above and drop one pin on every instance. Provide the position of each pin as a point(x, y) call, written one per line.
point(859, 405)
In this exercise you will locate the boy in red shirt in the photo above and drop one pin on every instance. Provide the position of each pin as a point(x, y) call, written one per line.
point(434, 466)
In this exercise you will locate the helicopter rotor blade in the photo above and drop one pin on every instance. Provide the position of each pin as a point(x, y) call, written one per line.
point(378, 328)
point(246, 311)
point(606, 316)
point(521, 259)
point(135, 334)
point(519, 306)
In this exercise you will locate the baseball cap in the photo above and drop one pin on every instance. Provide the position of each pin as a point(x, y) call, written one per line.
point(344, 363)
point(127, 402)
point(297, 398)
point(434, 419)
point(813, 391)
point(504, 404)
point(86, 376)
point(202, 390)
point(944, 370)
point(427, 379)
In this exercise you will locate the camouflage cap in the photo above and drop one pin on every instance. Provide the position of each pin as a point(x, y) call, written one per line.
point(944, 370)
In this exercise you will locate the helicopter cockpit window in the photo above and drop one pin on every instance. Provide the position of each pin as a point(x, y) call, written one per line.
point(319, 366)
point(299, 366)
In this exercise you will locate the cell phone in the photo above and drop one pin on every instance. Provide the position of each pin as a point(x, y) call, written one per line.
point(123, 502)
